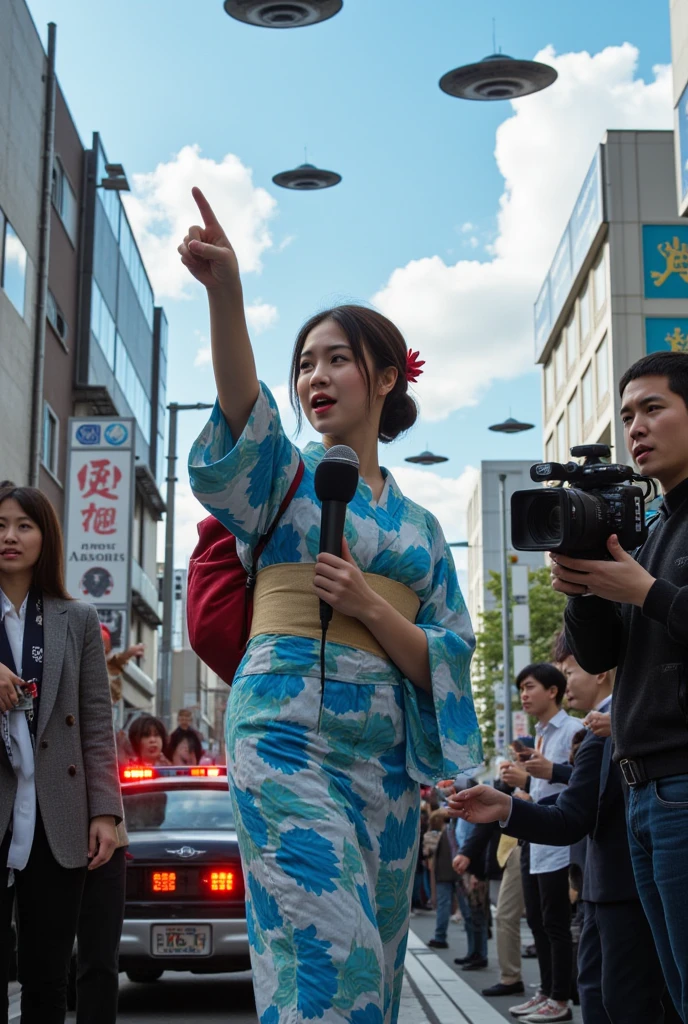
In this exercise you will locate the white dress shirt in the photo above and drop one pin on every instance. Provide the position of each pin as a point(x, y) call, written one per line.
point(554, 742)
point(24, 812)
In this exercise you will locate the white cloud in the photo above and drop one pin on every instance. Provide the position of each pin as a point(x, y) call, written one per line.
point(472, 321)
point(161, 208)
point(446, 497)
point(467, 227)
point(203, 354)
point(260, 316)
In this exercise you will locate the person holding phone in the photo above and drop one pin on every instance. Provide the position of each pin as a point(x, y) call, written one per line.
point(59, 789)
point(325, 758)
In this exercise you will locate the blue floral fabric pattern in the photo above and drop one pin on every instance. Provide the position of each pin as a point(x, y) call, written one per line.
point(243, 485)
point(327, 817)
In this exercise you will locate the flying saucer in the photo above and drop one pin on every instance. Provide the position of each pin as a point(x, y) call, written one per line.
point(498, 77)
point(282, 13)
point(307, 178)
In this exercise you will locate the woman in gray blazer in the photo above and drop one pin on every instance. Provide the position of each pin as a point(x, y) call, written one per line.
point(59, 789)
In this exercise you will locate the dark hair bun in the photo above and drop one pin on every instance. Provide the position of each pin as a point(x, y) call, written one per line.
point(399, 413)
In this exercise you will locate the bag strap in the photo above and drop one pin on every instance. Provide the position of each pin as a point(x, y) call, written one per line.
point(260, 546)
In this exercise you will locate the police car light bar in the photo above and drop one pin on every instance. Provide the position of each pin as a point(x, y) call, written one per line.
point(141, 773)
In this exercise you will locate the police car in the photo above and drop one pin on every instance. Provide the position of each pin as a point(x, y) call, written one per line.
point(185, 908)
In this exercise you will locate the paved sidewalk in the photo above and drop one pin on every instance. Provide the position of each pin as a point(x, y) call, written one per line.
point(449, 995)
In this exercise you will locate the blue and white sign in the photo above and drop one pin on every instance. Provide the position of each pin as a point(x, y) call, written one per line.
point(116, 434)
point(88, 433)
point(586, 219)
point(666, 334)
point(665, 261)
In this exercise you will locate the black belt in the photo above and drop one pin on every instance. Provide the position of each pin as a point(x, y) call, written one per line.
point(639, 770)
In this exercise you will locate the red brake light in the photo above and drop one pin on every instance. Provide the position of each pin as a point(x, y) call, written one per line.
point(135, 774)
point(220, 880)
point(164, 881)
point(203, 770)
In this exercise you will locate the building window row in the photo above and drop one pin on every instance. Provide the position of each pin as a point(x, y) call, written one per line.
point(14, 263)
point(115, 351)
point(585, 314)
point(65, 201)
point(103, 325)
point(137, 273)
point(583, 406)
point(134, 392)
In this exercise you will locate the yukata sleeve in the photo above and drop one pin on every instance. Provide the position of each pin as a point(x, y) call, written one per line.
point(443, 736)
point(243, 484)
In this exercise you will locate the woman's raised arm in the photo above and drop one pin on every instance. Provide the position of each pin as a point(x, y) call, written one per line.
point(208, 255)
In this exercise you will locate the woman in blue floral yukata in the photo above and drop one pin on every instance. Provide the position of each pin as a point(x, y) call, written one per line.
point(327, 799)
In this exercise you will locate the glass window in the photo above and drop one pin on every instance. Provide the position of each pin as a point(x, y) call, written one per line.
point(586, 388)
point(560, 364)
point(51, 428)
point(133, 389)
point(65, 201)
point(572, 415)
point(585, 312)
point(562, 451)
point(204, 809)
point(14, 267)
point(602, 367)
point(549, 383)
point(56, 317)
point(599, 275)
point(571, 332)
point(136, 270)
point(103, 325)
point(109, 200)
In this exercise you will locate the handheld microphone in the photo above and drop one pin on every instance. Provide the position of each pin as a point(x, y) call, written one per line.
point(336, 480)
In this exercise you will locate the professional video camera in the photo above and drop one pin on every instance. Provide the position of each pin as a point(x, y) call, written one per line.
point(577, 520)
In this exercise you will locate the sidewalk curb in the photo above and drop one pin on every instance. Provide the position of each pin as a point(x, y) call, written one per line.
point(442, 991)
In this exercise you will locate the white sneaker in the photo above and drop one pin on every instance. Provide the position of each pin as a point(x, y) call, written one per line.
point(530, 1005)
point(547, 1011)
point(456, 918)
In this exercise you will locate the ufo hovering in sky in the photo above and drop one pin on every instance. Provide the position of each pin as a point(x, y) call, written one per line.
point(282, 13)
point(498, 77)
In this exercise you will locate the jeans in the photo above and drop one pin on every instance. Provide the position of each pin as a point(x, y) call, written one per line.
point(657, 815)
point(444, 892)
point(548, 912)
point(98, 935)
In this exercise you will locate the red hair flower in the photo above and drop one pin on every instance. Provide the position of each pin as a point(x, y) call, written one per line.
point(413, 366)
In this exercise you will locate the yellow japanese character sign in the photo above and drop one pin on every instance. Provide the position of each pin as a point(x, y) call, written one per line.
point(666, 334)
point(665, 258)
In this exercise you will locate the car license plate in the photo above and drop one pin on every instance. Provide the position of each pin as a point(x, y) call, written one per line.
point(180, 940)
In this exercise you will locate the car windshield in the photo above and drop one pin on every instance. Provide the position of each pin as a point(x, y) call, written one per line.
point(179, 809)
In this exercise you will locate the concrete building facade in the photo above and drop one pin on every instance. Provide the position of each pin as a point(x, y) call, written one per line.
point(484, 530)
point(102, 342)
point(617, 289)
point(22, 110)
point(679, 63)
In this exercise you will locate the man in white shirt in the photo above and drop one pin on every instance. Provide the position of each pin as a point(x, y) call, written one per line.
point(545, 869)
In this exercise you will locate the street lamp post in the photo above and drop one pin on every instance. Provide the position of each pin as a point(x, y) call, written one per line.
point(164, 691)
point(509, 426)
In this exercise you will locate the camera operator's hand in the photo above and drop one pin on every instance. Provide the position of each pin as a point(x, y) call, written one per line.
point(513, 774)
point(622, 579)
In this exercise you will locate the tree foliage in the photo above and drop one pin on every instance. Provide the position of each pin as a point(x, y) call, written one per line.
point(546, 618)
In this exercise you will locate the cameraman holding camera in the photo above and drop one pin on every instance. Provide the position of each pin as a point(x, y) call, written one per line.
point(631, 611)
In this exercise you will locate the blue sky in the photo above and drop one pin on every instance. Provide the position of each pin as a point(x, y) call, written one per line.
point(415, 223)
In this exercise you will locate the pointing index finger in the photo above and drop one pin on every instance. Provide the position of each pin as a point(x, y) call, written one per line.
point(205, 209)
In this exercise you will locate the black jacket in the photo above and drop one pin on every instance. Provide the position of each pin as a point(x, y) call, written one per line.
point(648, 646)
point(481, 850)
point(593, 805)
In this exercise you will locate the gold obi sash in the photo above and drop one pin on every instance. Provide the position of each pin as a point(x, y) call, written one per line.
point(285, 603)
